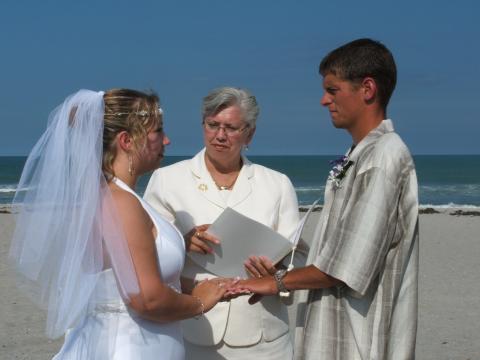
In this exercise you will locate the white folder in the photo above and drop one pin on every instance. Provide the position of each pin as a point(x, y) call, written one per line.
point(240, 237)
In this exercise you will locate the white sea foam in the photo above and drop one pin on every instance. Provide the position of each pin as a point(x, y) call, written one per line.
point(451, 187)
point(450, 206)
point(421, 206)
point(309, 188)
point(8, 188)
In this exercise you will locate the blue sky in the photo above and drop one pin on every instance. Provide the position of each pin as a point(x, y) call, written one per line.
point(183, 49)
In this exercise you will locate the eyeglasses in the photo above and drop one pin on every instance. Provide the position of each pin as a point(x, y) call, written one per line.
point(214, 127)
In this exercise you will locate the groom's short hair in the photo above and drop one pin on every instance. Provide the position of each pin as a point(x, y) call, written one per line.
point(363, 58)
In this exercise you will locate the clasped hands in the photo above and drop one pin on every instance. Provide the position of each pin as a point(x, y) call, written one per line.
point(260, 269)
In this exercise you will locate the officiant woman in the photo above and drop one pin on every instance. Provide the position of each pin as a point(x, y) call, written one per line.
point(194, 192)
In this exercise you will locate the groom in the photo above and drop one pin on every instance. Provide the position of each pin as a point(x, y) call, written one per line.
point(363, 271)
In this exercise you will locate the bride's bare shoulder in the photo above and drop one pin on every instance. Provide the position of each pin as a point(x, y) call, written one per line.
point(129, 208)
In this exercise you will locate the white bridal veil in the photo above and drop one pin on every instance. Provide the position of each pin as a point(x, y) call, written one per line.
point(67, 230)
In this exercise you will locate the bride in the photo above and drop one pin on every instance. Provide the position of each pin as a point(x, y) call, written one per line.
point(101, 261)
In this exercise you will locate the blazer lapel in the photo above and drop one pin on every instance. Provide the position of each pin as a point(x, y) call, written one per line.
point(243, 187)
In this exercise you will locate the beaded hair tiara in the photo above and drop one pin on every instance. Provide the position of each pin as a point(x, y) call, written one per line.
point(142, 113)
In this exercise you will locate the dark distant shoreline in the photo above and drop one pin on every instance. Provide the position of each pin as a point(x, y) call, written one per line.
point(454, 211)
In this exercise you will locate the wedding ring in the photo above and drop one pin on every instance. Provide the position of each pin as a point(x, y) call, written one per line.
point(197, 234)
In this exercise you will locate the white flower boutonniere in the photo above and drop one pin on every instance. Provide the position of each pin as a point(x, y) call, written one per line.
point(339, 170)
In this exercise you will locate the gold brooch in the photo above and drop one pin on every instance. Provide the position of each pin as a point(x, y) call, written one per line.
point(203, 187)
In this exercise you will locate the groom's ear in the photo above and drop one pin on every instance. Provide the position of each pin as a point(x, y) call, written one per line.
point(125, 141)
point(369, 89)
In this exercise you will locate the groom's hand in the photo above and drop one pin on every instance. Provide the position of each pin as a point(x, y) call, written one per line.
point(258, 267)
point(259, 287)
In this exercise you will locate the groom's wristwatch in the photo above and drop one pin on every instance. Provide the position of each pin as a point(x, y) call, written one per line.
point(278, 276)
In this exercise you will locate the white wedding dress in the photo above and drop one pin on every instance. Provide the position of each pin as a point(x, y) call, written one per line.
point(111, 331)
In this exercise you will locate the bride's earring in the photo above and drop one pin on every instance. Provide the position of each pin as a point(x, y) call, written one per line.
point(245, 147)
point(130, 165)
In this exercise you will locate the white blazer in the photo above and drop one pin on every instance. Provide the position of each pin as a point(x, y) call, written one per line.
point(186, 194)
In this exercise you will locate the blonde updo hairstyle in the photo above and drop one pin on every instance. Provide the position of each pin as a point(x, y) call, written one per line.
point(127, 110)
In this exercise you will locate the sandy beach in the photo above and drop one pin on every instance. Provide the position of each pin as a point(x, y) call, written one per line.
point(449, 316)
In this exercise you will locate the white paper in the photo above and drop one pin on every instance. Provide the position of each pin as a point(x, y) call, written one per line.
point(240, 237)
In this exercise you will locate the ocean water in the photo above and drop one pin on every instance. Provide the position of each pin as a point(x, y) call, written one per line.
point(444, 180)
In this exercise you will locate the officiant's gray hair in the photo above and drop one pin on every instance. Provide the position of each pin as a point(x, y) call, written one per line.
point(224, 97)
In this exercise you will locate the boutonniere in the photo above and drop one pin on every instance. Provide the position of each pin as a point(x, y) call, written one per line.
point(339, 170)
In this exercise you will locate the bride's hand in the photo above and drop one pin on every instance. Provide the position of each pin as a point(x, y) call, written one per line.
point(210, 292)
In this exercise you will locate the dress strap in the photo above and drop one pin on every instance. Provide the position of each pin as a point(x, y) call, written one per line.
point(124, 186)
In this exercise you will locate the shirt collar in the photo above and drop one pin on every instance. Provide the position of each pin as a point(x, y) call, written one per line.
point(385, 127)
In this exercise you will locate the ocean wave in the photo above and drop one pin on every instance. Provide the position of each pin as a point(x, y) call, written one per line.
point(8, 188)
point(309, 188)
point(452, 188)
point(421, 206)
point(463, 189)
point(450, 206)
point(431, 195)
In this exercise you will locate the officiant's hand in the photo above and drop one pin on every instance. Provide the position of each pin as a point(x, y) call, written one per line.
point(259, 266)
point(198, 240)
